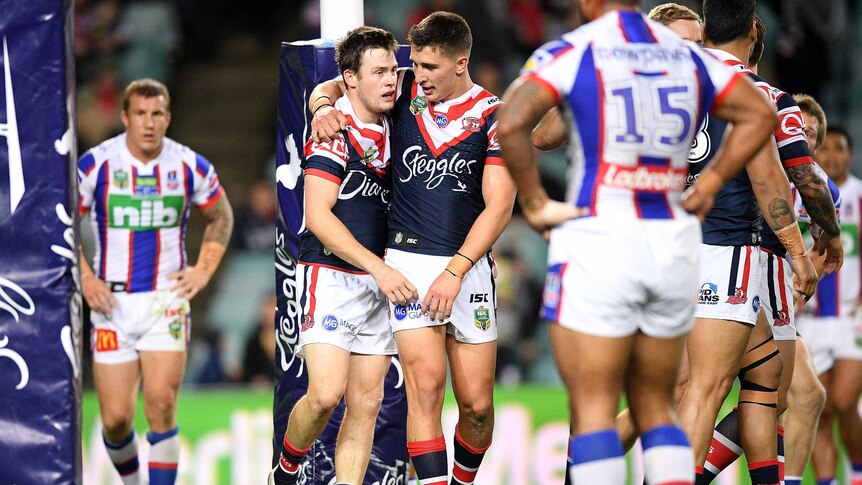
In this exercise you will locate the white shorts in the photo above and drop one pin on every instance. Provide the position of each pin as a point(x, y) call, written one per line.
point(610, 280)
point(344, 309)
point(729, 283)
point(831, 338)
point(474, 313)
point(776, 295)
point(146, 321)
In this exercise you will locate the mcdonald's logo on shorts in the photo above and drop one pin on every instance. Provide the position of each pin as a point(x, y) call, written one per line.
point(106, 340)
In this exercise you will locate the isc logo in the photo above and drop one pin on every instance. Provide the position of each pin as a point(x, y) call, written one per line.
point(479, 298)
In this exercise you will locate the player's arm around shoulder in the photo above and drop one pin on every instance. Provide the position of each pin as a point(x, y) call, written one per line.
point(326, 121)
point(321, 194)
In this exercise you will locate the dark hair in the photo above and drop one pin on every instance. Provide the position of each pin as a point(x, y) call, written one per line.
point(840, 130)
point(668, 13)
point(759, 42)
point(445, 31)
point(727, 20)
point(350, 48)
point(810, 105)
point(148, 88)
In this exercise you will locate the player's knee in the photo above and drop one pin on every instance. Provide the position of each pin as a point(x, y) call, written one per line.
point(116, 426)
point(324, 400)
point(711, 388)
point(844, 404)
point(365, 404)
point(810, 401)
point(161, 407)
point(479, 410)
point(760, 377)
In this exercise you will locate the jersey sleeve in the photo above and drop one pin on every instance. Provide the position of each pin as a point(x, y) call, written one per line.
point(716, 78)
point(552, 66)
point(86, 181)
point(327, 159)
point(207, 189)
point(494, 156)
point(790, 133)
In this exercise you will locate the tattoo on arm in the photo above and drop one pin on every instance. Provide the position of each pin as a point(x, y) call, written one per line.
point(780, 214)
point(219, 219)
point(815, 197)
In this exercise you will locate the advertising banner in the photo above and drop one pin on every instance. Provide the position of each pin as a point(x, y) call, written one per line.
point(39, 306)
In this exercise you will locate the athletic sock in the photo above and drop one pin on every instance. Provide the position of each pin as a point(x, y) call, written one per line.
point(288, 463)
point(827, 481)
point(763, 472)
point(780, 442)
point(596, 457)
point(429, 460)
point(856, 473)
point(124, 456)
point(467, 460)
point(724, 449)
point(668, 458)
point(164, 456)
point(792, 480)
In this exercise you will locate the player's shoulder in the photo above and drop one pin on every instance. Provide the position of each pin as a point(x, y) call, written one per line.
point(109, 149)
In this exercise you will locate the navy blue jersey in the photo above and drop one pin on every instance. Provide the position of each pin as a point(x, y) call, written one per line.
point(358, 161)
point(439, 155)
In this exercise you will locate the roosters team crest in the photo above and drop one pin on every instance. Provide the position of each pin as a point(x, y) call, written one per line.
point(739, 297)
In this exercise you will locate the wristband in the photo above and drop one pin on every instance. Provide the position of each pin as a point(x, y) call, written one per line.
point(458, 266)
point(791, 238)
point(709, 183)
point(210, 256)
point(472, 263)
point(318, 108)
point(453, 274)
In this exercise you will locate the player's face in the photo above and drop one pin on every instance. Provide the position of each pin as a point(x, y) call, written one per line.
point(812, 127)
point(375, 81)
point(687, 29)
point(835, 156)
point(437, 73)
point(146, 122)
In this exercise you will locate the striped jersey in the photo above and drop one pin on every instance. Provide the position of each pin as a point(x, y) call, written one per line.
point(838, 294)
point(440, 151)
point(735, 218)
point(634, 94)
point(139, 210)
point(358, 162)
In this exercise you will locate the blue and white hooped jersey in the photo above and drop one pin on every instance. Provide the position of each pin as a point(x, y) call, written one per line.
point(634, 94)
point(440, 151)
point(358, 162)
point(140, 210)
point(838, 294)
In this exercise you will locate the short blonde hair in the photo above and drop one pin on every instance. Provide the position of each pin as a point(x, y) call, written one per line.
point(809, 105)
point(148, 88)
point(668, 13)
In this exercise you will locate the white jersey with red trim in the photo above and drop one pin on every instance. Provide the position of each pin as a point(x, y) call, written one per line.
point(140, 210)
point(439, 153)
point(629, 135)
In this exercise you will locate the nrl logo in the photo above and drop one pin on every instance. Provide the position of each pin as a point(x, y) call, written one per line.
point(482, 318)
point(370, 155)
point(418, 105)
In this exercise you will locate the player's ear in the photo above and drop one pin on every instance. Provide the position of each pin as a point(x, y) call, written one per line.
point(752, 35)
point(350, 78)
point(461, 64)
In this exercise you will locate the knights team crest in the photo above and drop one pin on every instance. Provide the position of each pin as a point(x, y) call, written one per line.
point(121, 179)
point(482, 318)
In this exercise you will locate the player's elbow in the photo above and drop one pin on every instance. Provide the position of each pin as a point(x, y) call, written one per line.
point(545, 141)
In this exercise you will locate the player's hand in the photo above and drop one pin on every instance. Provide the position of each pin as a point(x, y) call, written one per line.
point(696, 202)
point(395, 286)
point(326, 123)
point(440, 298)
point(97, 294)
point(550, 214)
point(189, 281)
point(831, 245)
point(804, 275)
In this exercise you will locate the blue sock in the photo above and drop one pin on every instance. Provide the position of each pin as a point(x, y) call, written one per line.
point(164, 456)
point(596, 457)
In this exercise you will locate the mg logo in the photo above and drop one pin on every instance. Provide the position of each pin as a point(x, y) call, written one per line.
point(9, 130)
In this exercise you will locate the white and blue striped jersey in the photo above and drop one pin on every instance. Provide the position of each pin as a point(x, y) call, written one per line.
point(140, 210)
point(634, 94)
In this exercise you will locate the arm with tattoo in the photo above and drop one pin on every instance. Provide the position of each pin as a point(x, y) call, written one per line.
point(816, 197)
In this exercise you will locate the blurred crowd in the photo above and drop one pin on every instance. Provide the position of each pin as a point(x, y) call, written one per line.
point(813, 46)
